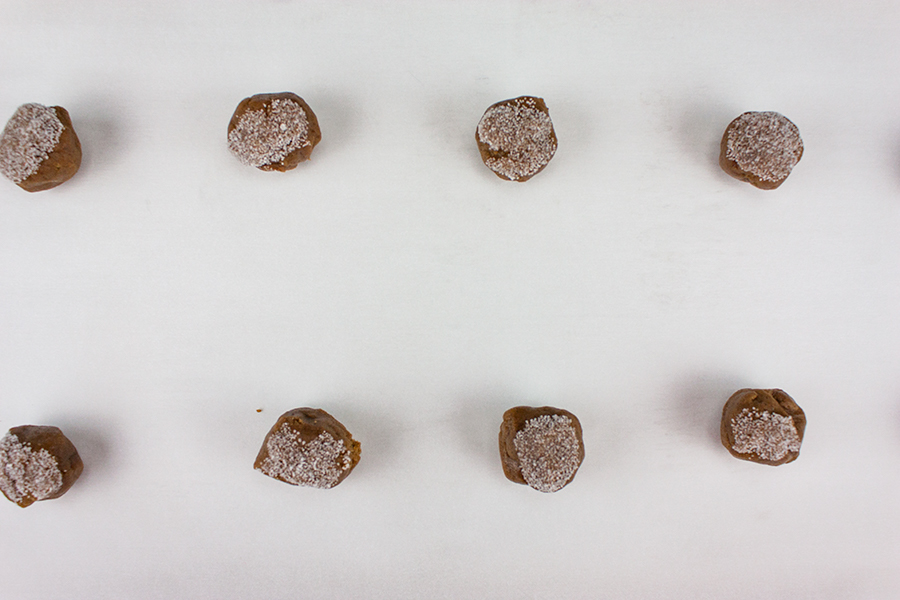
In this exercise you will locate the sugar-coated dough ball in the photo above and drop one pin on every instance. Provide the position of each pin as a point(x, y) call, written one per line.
point(763, 426)
point(761, 148)
point(308, 447)
point(541, 447)
point(273, 132)
point(38, 148)
point(516, 138)
point(37, 463)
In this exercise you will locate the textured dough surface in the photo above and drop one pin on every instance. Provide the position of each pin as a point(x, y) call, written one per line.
point(308, 447)
point(37, 463)
point(273, 132)
point(516, 138)
point(540, 447)
point(763, 426)
point(39, 149)
point(761, 148)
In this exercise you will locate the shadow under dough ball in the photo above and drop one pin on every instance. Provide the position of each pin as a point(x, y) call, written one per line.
point(761, 148)
point(273, 132)
point(38, 148)
point(308, 447)
point(37, 463)
point(763, 426)
point(515, 138)
point(541, 447)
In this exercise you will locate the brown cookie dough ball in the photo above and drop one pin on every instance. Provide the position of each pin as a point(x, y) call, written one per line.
point(38, 148)
point(763, 426)
point(37, 463)
point(761, 148)
point(516, 138)
point(541, 447)
point(308, 447)
point(273, 132)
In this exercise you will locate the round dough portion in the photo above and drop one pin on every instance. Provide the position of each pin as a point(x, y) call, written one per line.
point(763, 426)
point(39, 149)
point(541, 447)
point(273, 132)
point(515, 138)
point(761, 148)
point(37, 463)
point(308, 447)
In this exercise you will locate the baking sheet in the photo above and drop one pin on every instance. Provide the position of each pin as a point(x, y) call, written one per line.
point(167, 304)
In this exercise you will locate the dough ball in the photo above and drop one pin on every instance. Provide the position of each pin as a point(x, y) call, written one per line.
point(516, 138)
point(763, 426)
point(37, 463)
point(308, 447)
point(38, 148)
point(273, 132)
point(761, 148)
point(541, 447)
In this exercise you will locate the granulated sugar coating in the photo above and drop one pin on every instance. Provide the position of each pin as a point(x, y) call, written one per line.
point(24, 472)
point(768, 435)
point(27, 140)
point(266, 136)
point(765, 145)
point(764, 426)
point(318, 463)
point(548, 452)
point(516, 138)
